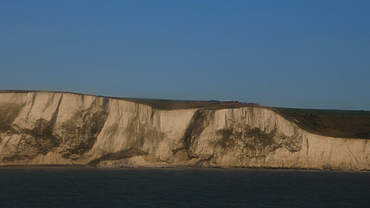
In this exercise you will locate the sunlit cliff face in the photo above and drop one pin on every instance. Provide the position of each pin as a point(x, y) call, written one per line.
point(66, 128)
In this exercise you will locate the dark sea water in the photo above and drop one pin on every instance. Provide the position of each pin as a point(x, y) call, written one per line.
point(92, 187)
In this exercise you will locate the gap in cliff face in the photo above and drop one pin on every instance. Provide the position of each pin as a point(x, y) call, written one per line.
point(208, 162)
point(117, 156)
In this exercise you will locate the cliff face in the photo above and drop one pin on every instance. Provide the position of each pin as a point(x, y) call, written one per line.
point(67, 128)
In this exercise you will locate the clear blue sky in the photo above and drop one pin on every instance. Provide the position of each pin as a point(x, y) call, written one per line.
point(307, 54)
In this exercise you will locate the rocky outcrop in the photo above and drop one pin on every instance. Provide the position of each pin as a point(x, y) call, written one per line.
point(67, 128)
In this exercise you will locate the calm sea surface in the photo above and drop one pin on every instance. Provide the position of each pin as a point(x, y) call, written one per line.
point(92, 187)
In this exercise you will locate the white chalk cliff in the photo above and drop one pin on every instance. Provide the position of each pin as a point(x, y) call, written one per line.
point(67, 128)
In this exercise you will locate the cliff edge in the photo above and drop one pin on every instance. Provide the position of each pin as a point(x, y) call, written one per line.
point(63, 128)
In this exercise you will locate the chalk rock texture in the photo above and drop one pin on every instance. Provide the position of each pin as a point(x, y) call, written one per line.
point(66, 128)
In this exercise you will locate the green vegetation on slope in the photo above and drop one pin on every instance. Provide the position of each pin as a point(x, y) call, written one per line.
point(334, 123)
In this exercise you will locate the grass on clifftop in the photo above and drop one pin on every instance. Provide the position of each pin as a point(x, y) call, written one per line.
point(333, 123)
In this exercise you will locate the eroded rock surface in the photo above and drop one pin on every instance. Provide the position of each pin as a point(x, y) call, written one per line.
point(67, 128)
